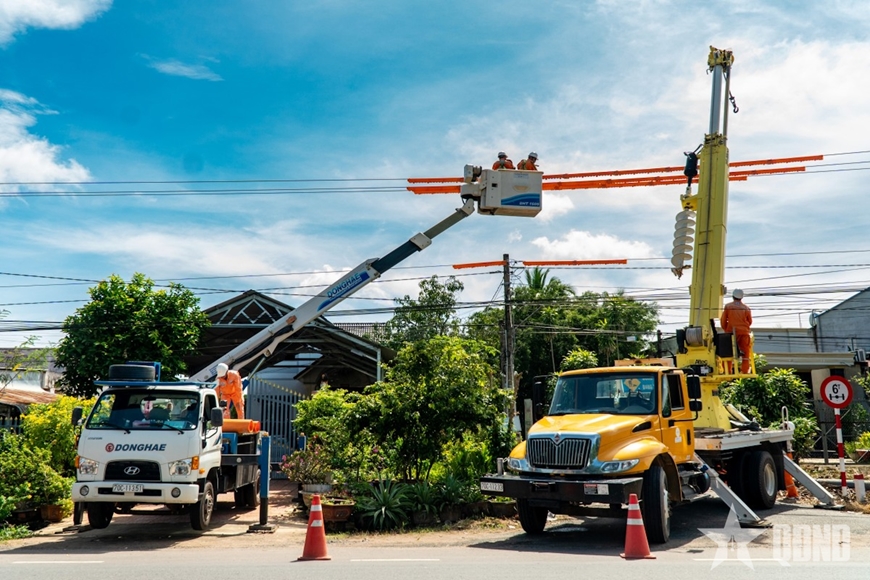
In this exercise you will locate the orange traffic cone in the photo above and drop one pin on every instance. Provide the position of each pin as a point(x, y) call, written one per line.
point(315, 538)
point(791, 489)
point(636, 546)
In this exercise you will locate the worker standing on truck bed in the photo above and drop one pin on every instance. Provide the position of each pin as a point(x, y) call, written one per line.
point(503, 162)
point(737, 318)
point(229, 388)
point(528, 164)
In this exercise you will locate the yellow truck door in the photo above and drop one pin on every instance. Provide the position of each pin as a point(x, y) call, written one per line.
point(676, 418)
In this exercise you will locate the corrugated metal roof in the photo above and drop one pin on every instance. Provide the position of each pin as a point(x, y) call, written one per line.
point(25, 397)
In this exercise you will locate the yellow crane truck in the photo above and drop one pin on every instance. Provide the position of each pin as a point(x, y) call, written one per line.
point(658, 430)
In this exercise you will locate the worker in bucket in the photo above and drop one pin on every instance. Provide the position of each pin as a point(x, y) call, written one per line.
point(229, 388)
point(503, 162)
point(737, 318)
point(528, 164)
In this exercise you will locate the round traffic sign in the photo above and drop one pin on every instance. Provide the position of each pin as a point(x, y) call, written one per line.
point(836, 392)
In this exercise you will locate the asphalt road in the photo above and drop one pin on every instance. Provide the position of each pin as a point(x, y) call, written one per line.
point(803, 543)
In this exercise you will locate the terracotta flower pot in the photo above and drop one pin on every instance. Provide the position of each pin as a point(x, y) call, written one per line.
point(52, 513)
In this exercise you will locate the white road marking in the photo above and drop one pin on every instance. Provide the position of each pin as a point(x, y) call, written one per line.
point(59, 562)
point(396, 560)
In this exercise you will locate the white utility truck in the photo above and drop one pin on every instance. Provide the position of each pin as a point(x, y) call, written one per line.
point(152, 442)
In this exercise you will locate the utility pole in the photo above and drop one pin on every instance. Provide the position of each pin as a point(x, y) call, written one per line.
point(509, 342)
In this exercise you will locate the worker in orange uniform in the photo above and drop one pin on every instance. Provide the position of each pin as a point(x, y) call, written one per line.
point(737, 318)
point(528, 164)
point(229, 388)
point(503, 162)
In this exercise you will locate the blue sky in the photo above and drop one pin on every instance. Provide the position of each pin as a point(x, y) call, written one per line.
point(367, 95)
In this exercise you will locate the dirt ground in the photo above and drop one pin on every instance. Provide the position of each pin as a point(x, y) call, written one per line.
point(156, 526)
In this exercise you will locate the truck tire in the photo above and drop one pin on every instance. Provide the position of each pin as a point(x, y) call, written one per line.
point(251, 492)
point(656, 505)
point(532, 518)
point(201, 511)
point(134, 372)
point(759, 480)
point(100, 514)
point(735, 472)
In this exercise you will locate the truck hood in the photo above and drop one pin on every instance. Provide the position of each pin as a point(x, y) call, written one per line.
point(610, 427)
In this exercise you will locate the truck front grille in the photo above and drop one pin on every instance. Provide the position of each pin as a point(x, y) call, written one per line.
point(567, 453)
point(133, 471)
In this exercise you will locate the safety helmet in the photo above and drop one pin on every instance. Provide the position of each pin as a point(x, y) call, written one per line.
point(222, 369)
point(738, 294)
point(502, 154)
point(533, 155)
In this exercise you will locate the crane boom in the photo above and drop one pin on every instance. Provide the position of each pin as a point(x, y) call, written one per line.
point(515, 193)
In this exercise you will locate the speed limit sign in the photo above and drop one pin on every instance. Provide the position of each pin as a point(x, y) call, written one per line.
point(836, 392)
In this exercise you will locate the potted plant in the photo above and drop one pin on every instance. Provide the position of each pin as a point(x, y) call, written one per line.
point(502, 507)
point(337, 509)
point(310, 467)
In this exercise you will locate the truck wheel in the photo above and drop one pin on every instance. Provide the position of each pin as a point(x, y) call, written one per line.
point(251, 492)
point(759, 480)
point(532, 518)
point(735, 470)
point(200, 512)
point(656, 505)
point(100, 514)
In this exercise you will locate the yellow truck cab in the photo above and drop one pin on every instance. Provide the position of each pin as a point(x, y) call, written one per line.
point(609, 433)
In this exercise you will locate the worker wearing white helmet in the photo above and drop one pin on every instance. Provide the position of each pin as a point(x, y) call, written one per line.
point(229, 388)
point(529, 163)
point(737, 318)
point(503, 162)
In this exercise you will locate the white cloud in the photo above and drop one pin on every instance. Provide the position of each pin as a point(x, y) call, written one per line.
point(179, 69)
point(27, 157)
point(18, 15)
point(580, 245)
point(554, 205)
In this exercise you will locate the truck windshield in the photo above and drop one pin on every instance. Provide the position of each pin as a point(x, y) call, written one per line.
point(133, 409)
point(623, 393)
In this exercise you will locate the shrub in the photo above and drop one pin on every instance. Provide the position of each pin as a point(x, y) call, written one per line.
point(48, 426)
point(862, 442)
point(310, 465)
point(24, 466)
point(385, 506)
point(763, 397)
point(423, 498)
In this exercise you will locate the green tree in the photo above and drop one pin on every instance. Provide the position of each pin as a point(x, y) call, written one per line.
point(579, 358)
point(435, 392)
point(550, 320)
point(431, 314)
point(128, 321)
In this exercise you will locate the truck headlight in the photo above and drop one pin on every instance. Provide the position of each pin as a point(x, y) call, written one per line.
point(515, 464)
point(618, 466)
point(181, 467)
point(88, 466)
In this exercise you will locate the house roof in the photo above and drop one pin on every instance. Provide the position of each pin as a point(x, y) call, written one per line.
point(241, 317)
point(24, 397)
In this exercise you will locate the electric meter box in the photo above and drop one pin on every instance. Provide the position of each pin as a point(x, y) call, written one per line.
point(510, 192)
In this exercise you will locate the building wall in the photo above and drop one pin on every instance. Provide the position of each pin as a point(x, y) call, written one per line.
point(846, 327)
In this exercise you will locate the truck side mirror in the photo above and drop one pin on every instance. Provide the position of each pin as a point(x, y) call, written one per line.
point(76, 416)
point(217, 417)
point(696, 406)
point(693, 386)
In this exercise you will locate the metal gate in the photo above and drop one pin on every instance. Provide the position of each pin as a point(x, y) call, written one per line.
point(274, 406)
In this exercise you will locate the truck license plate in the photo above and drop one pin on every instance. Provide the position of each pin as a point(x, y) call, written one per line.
point(596, 489)
point(124, 487)
point(491, 486)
